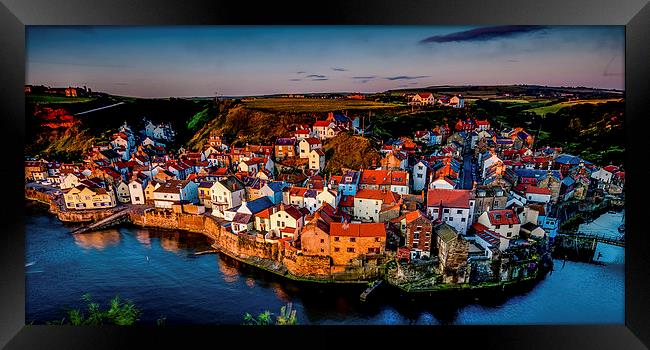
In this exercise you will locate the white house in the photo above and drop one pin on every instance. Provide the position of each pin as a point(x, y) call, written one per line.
point(122, 191)
point(175, 191)
point(537, 194)
point(287, 221)
point(328, 196)
point(420, 170)
point(422, 99)
point(136, 190)
point(604, 174)
point(457, 101)
point(489, 161)
point(320, 128)
point(317, 160)
point(442, 183)
point(306, 145)
point(69, 181)
point(504, 222)
point(454, 207)
point(226, 194)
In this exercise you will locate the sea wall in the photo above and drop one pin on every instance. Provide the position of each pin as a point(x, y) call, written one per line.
point(273, 255)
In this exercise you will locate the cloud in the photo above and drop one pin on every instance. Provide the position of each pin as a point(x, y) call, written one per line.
point(482, 34)
point(319, 79)
point(295, 79)
point(365, 78)
point(301, 72)
point(339, 69)
point(316, 76)
point(407, 77)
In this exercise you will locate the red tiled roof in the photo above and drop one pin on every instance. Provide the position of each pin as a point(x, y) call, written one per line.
point(425, 94)
point(538, 190)
point(312, 140)
point(322, 123)
point(449, 198)
point(489, 236)
point(374, 229)
point(503, 217)
point(611, 168)
point(302, 132)
point(387, 197)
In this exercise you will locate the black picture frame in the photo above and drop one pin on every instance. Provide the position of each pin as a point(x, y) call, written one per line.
point(634, 14)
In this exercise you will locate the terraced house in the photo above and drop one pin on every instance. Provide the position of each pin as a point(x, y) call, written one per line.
point(85, 197)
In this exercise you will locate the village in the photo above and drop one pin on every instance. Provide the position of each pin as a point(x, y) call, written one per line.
point(460, 204)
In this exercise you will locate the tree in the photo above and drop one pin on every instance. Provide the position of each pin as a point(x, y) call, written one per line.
point(119, 313)
point(286, 317)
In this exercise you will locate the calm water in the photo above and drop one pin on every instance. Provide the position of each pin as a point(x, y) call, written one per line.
point(160, 273)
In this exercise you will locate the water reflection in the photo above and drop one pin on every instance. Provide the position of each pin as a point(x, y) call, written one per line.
point(229, 272)
point(97, 240)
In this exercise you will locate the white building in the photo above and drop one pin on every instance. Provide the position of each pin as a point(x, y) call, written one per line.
point(504, 222)
point(226, 194)
point(422, 99)
point(454, 207)
point(317, 160)
point(174, 191)
point(306, 145)
point(136, 191)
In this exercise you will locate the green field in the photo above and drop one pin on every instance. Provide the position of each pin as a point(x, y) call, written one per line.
point(511, 100)
point(46, 99)
point(556, 107)
point(297, 105)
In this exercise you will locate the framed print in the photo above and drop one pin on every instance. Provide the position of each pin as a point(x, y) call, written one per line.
point(210, 173)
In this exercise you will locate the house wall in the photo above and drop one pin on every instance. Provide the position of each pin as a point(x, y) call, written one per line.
point(314, 241)
point(367, 209)
point(359, 246)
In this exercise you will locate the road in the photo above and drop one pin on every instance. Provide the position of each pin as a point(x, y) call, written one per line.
point(466, 172)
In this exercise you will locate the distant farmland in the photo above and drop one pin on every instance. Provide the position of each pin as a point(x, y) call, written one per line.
point(298, 105)
point(556, 107)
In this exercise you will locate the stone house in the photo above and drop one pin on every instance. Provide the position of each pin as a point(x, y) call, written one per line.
point(453, 254)
point(350, 241)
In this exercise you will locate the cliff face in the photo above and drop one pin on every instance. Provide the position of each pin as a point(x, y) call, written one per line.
point(348, 151)
point(241, 124)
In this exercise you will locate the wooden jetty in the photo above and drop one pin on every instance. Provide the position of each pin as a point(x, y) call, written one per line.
point(370, 289)
point(117, 218)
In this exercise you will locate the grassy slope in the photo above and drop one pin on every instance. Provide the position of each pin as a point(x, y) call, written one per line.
point(347, 151)
point(556, 107)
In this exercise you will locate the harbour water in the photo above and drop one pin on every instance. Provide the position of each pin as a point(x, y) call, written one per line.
point(160, 273)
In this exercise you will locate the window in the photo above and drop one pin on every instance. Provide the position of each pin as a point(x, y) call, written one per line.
point(498, 226)
point(371, 250)
point(337, 249)
point(451, 218)
point(418, 228)
point(509, 234)
point(510, 226)
point(353, 239)
point(377, 239)
point(322, 250)
point(336, 239)
point(435, 210)
point(446, 211)
point(350, 250)
point(137, 198)
point(416, 235)
point(322, 241)
point(415, 244)
point(277, 223)
point(459, 211)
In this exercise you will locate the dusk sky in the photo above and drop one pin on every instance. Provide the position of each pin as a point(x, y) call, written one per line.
point(254, 60)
